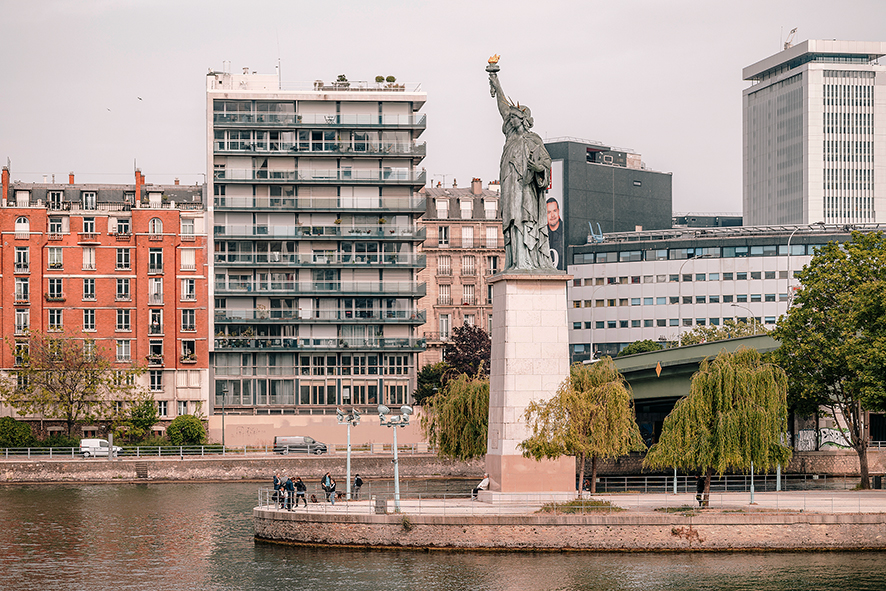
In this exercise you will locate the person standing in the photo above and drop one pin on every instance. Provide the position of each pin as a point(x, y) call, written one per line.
point(277, 497)
point(358, 484)
point(332, 490)
point(290, 492)
point(326, 483)
point(699, 490)
point(300, 490)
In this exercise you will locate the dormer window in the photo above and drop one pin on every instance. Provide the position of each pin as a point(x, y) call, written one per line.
point(88, 200)
point(54, 199)
point(442, 208)
point(467, 208)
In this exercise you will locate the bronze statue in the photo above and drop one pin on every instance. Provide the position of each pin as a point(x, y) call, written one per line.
point(525, 176)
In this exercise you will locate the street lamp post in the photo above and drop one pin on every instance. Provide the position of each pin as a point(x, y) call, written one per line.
point(753, 318)
point(402, 420)
point(351, 418)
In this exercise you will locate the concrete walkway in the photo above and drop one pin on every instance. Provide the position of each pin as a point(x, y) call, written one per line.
point(829, 502)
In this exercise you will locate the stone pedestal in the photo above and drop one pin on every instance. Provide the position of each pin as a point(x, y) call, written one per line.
point(530, 359)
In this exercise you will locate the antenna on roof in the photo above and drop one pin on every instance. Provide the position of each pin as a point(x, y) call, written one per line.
point(788, 43)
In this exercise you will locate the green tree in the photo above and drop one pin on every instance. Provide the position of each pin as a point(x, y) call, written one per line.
point(430, 381)
point(455, 421)
point(833, 339)
point(590, 416)
point(730, 330)
point(735, 416)
point(15, 433)
point(60, 376)
point(468, 352)
point(186, 430)
point(134, 423)
point(640, 347)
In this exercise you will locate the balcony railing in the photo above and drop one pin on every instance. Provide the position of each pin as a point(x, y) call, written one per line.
point(469, 272)
point(155, 269)
point(468, 301)
point(357, 232)
point(345, 175)
point(436, 337)
point(411, 288)
point(332, 259)
point(87, 237)
point(322, 203)
point(224, 342)
point(55, 297)
point(314, 119)
point(350, 149)
point(458, 243)
point(21, 329)
point(21, 298)
point(188, 358)
point(155, 298)
point(155, 360)
point(22, 268)
point(155, 329)
point(413, 316)
point(444, 300)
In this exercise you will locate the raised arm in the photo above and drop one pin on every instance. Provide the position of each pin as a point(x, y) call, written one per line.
point(499, 95)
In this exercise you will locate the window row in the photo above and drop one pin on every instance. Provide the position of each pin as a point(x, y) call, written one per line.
point(665, 322)
point(467, 240)
point(123, 260)
point(684, 277)
point(686, 299)
point(55, 291)
point(307, 392)
point(711, 252)
point(468, 265)
point(120, 225)
point(123, 323)
point(258, 364)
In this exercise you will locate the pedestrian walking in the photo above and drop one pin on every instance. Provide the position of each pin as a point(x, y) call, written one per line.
point(358, 484)
point(300, 490)
point(290, 493)
point(332, 490)
point(325, 484)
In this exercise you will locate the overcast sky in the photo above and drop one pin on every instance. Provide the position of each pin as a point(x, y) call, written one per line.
point(660, 77)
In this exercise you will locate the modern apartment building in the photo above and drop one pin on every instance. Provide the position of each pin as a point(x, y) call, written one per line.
point(464, 247)
point(659, 285)
point(316, 244)
point(814, 125)
point(124, 266)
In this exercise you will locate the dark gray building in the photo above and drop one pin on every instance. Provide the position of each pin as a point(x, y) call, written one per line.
point(596, 185)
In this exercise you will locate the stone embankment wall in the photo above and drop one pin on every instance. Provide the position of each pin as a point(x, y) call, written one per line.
point(230, 468)
point(633, 532)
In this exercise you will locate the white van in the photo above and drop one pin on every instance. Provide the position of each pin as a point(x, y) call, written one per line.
point(298, 445)
point(97, 447)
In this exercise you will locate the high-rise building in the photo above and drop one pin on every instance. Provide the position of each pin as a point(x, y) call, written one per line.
point(123, 267)
point(814, 121)
point(315, 243)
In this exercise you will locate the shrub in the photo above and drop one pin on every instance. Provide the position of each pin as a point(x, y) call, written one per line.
point(186, 430)
point(15, 433)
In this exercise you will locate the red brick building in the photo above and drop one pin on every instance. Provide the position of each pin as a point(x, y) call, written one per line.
point(123, 265)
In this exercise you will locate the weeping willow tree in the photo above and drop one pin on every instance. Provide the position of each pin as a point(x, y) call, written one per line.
point(734, 417)
point(590, 416)
point(455, 420)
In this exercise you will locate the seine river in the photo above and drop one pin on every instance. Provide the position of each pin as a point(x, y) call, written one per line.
point(199, 536)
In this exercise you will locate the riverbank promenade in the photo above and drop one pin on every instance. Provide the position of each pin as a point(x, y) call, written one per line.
point(810, 520)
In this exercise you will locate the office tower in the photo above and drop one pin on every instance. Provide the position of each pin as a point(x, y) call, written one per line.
point(814, 120)
point(315, 243)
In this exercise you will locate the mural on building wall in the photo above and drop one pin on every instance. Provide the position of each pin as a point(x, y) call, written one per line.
point(556, 224)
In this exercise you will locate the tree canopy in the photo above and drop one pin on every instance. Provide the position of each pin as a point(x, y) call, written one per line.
point(640, 347)
point(833, 339)
point(734, 416)
point(186, 430)
point(455, 421)
point(730, 329)
point(591, 415)
point(429, 381)
point(469, 351)
point(63, 377)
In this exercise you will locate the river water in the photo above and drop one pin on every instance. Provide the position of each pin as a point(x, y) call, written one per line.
point(199, 536)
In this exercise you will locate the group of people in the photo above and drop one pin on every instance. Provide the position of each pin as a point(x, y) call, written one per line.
point(287, 490)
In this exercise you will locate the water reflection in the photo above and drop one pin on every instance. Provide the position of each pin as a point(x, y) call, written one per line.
point(199, 536)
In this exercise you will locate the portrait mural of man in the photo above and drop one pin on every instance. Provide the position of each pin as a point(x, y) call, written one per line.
point(555, 234)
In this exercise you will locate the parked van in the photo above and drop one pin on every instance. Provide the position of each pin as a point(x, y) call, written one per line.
point(97, 447)
point(298, 445)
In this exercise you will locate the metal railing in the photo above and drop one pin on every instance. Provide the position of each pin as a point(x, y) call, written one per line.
point(332, 258)
point(345, 175)
point(381, 230)
point(251, 314)
point(356, 203)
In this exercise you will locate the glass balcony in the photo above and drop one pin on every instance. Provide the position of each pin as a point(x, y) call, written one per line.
point(401, 176)
point(416, 120)
point(335, 259)
point(227, 343)
point(412, 316)
point(374, 204)
point(356, 231)
point(347, 149)
point(406, 288)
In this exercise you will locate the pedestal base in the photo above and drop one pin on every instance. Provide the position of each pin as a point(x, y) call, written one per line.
point(516, 474)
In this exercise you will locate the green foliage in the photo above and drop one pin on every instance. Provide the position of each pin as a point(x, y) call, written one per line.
point(341, 78)
point(581, 506)
point(390, 79)
point(640, 347)
point(136, 421)
point(730, 330)
point(735, 414)
point(59, 440)
point(833, 339)
point(64, 377)
point(468, 352)
point(15, 433)
point(430, 381)
point(186, 430)
point(379, 79)
point(455, 421)
point(591, 415)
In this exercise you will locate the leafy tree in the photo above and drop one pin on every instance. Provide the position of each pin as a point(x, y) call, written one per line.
point(430, 381)
point(833, 339)
point(591, 415)
point(730, 330)
point(135, 422)
point(640, 347)
point(186, 430)
point(455, 421)
point(63, 377)
point(15, 433)
point(469, 351)
point(735, 416)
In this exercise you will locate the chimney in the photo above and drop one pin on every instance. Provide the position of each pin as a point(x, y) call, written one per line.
point(476, 187)
point(71, 178)
point(454, 183)
point(176, 181)
point(5, 184)
point(139, 181)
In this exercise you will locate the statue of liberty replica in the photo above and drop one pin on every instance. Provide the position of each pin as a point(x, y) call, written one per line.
point(525, 174)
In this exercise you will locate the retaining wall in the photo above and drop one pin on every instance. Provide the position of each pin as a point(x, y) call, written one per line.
point(634, 532)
